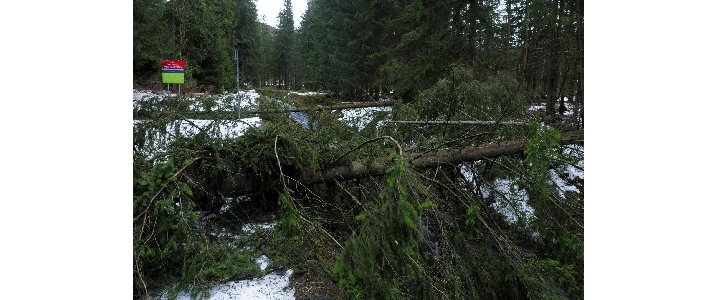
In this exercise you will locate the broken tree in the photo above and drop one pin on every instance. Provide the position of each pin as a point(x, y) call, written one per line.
point(240, 184)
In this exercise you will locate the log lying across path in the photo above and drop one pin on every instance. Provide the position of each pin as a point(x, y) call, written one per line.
point(244, 183)
point(324, 107)
point(228, 115)
point(459, 122)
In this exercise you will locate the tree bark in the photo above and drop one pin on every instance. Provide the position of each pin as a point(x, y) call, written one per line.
point(241, 184)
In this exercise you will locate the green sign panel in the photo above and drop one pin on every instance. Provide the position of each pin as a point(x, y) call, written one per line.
point(172, 77)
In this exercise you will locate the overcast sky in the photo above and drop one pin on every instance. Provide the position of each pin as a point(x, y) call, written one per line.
point(270, 9)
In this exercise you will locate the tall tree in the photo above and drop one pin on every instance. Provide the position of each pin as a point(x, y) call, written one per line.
point(247, 32)
point(323, 44)
point(284, 46)
point(150, 36)
point(264, 62)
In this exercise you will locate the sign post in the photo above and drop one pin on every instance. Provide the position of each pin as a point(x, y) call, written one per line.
point(236, 57)
point(173, 72)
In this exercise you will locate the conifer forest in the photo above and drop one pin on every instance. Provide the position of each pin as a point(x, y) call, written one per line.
point(383, 149)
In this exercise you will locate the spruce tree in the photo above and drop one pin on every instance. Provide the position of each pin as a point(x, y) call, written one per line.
point(283, 57)
point(247, 32)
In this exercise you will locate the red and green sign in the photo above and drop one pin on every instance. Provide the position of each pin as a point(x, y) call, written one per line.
point(173, 71)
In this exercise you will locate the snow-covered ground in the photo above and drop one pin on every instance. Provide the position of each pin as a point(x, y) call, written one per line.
point(542, 106)
point(304, 94)
point(360, 117)
point(512, 202)
point(225, 101)
point(273, 286)
point(298, 116)
point(190, 127)
point(357, 117)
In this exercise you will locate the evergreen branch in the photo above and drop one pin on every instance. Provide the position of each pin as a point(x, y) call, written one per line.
point(505, 249)
point(278, 162)
point(553, 197)
point(325, 232)
point(144, 220)
point(432, 284)
point(350, 194)
point(367, 142)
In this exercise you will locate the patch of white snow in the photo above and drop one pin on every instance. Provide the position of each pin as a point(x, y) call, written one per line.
point(561, 184)
point(263, 261)
point(360, 117)
point(304, 94)
point(510, 201)
point(273, 286)
point(541, 106)
point(250, 228)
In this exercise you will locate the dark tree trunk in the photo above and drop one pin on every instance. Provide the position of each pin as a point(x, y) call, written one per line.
point(553, 67)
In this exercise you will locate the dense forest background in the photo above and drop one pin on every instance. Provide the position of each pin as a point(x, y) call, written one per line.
point(359, 49)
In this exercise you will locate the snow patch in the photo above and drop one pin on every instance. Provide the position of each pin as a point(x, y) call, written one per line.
point(225, 101)
point(251, 97)
point(360, 117)
point(223, 129)
point(510, 201)
point(251, 228)
point(139, 95)
point(542, 106)
point(561, 184)
point(274, 286)
point(306, 94)
point(574, 171)
point(156, 140)
point(263, 261)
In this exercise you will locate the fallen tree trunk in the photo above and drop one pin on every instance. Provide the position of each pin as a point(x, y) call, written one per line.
point(230, 115)
point(324, 107)
point(194, 115)
point(459, 122)
point(240, 184)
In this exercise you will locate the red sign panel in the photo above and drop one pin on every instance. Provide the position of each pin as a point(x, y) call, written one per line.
point(175, 65)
